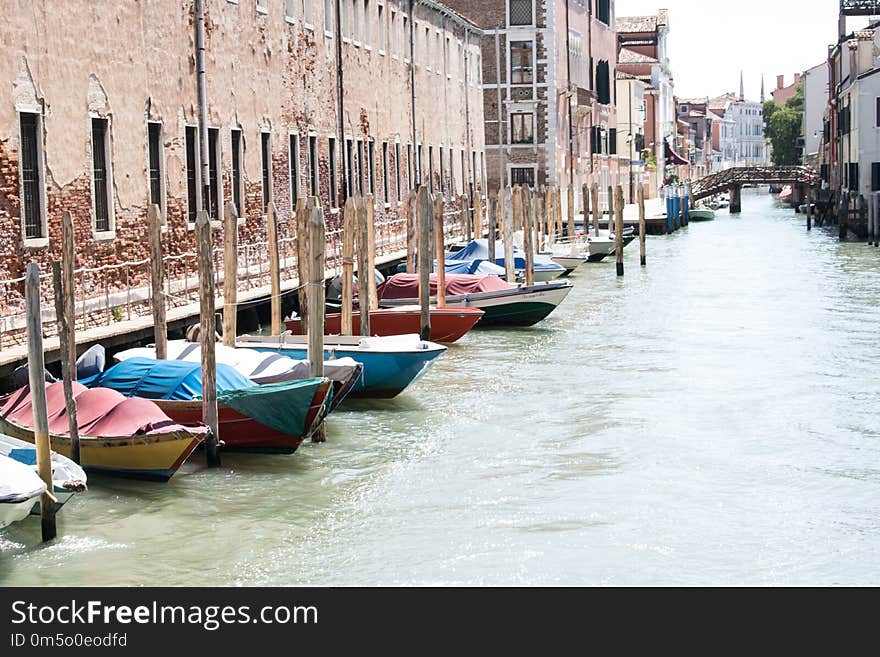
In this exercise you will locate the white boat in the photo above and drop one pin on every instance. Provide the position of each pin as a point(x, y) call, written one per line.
point(20, 489)
point(701, 214)
point(67, 477)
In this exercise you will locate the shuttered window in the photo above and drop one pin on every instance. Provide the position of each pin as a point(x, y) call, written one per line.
point(192, 173)
point(293, 166)
point(603, 83)
point(154, 151)
point(314, 186)
point(265, 154)
point(522, 176)
point(31, 176)
point(854, 176)
point(603, 11)
point(215, 196)
point(331, 145)
point(612, 141)
point(100, 175)
point(875, 176)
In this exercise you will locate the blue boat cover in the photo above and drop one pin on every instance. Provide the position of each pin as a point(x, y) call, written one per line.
point(479, 250)
point(171, 380)
point(472, 267)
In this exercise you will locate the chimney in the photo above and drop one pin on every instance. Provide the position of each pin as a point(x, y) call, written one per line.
point(797, 78)
point(780, 82)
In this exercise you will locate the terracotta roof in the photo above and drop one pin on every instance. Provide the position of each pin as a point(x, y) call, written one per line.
point(627, 56)
point(693, 101)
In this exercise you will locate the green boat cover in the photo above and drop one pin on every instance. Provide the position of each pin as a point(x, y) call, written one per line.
point(281, 406)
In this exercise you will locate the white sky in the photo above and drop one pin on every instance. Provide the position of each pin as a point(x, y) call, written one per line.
point(710, 41)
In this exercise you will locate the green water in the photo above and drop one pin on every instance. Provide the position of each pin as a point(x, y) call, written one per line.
point(709, 420)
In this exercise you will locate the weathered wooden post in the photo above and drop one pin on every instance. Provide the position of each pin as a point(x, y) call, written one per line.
point(557, 200)
point(425, 220)
point(594, 193)
point(363, 258)
point(585, 194)
point(68, 368)
point(528, 244)
point(844, 215)
point(508, 222)
point(37, 378)
point(207, 336)
point(157, 282)
point(349, 224)
point(571, 210)
point(642, 226)
point(735, 199)
point(517, 207)
point(371, 251)
point(618, 229)
point(274, 268)
point(610, 208)
point(411, 233)
point(68, 287)
point(494, 210)
point(466, 223)
point(478, 214)
point(230, 275)
point(810, 211)
point(303, 206)
point(502, 191)
point(316, 294)
point(440, 249)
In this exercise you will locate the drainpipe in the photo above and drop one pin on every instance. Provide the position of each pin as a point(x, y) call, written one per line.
point(467, 111)
point(568, 96)
point(202, 88)
point(503, 154)
point(341, 183)
point(412, 84)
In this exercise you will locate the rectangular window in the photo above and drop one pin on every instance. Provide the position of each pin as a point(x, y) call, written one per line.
point(263, 6)
point(431, 169)
point(406, 39)
point(612, 141)
point(345, 22)
point(877, 114)
point(397, 168)
point(452, 186)
point(236, 171)
point(308, 18)
point(367, 24)
point(520, 12)
point(334, 203)
point(854, 177)
point(428, 48)
point(214, 181)
point(349, 168)
point(192, 173)
point(360, 167)
point(154, 156)
point(522, 176)
point(293, 159)
point(314, 187)
point(521, 69)
point(266, 162)
point(385, 190)
point(463, 171)
point(356, 20)
point(101, 174)
point(328, 16)
point(288, 10)
point(420, 167)
point(392, 28)
point(409, 167)
point(371, 165)
point(522, 128)
point(438, 54)
point(474, 167)
point(380, 28)
point(31, 173)
point(603, 11)
point(442, 185)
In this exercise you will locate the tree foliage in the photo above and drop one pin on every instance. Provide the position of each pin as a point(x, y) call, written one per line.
point(782, 126)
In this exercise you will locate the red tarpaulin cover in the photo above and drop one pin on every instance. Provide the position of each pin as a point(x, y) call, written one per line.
point(99, 412)
point(674, 157)
point(406, 286)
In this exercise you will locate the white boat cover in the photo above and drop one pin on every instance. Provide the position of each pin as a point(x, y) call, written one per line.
point(66, 475)
point(258, 366)
point(18, 482)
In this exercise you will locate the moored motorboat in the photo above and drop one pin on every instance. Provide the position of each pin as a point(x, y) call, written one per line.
point(118, 436)
point(259, 367)
point(20, 489)
point(476, 251)
point(391, 364)
point(67, 477)
point(447, 324)
point(503, 303)
point(702, 214)
point(273, 417)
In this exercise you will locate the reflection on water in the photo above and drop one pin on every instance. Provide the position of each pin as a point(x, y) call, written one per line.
point(707, 420)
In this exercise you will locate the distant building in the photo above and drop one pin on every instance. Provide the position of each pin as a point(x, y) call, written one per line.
point(815, 82)
point(643, 53)
point(749, 144)
point(723, 138)
point(695, 111)
point(632, 114)
point(782, 93)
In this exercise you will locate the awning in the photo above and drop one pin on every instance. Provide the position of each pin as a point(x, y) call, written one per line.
point(674, 158)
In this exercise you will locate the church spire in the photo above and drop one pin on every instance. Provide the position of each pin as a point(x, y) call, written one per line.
point(742, 89)
point(763, 97)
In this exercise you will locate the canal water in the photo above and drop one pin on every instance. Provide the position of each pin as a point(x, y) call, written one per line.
point(709, 420)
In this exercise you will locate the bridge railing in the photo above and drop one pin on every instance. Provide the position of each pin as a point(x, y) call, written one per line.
point(764, 175)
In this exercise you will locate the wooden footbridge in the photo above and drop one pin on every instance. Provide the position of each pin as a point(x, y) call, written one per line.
point(732, 181)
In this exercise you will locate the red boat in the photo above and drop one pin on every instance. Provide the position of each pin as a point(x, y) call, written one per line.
point(447, 324)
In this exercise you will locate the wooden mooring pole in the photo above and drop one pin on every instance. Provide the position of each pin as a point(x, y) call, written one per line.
point(349, 223)
point(274, 268)
point(207, 336)
point(528, 245)
point(571, 209)
point(364, 271)
point(507, 223)
point(37, 378)
point(809, 209)
point(643, 257)
point(618, 229)
point(425, 216)
point(157, 281)
point(302, 257)
point(230, 275)
point(494, 209)
point(411, 232)
point(68, 287)
point(68, 366)
point(440, 250)
point(596, 209)
point(371, 250)
point(316, 294)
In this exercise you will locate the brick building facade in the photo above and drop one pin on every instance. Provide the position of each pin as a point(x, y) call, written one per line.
point(101, 117)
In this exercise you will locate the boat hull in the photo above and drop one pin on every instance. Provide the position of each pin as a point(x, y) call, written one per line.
point(386, 374)
point(240, 433)
point(701, 215)
point(447, 324)
point(153, 457)
point(524, 306)
point(11, 512)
